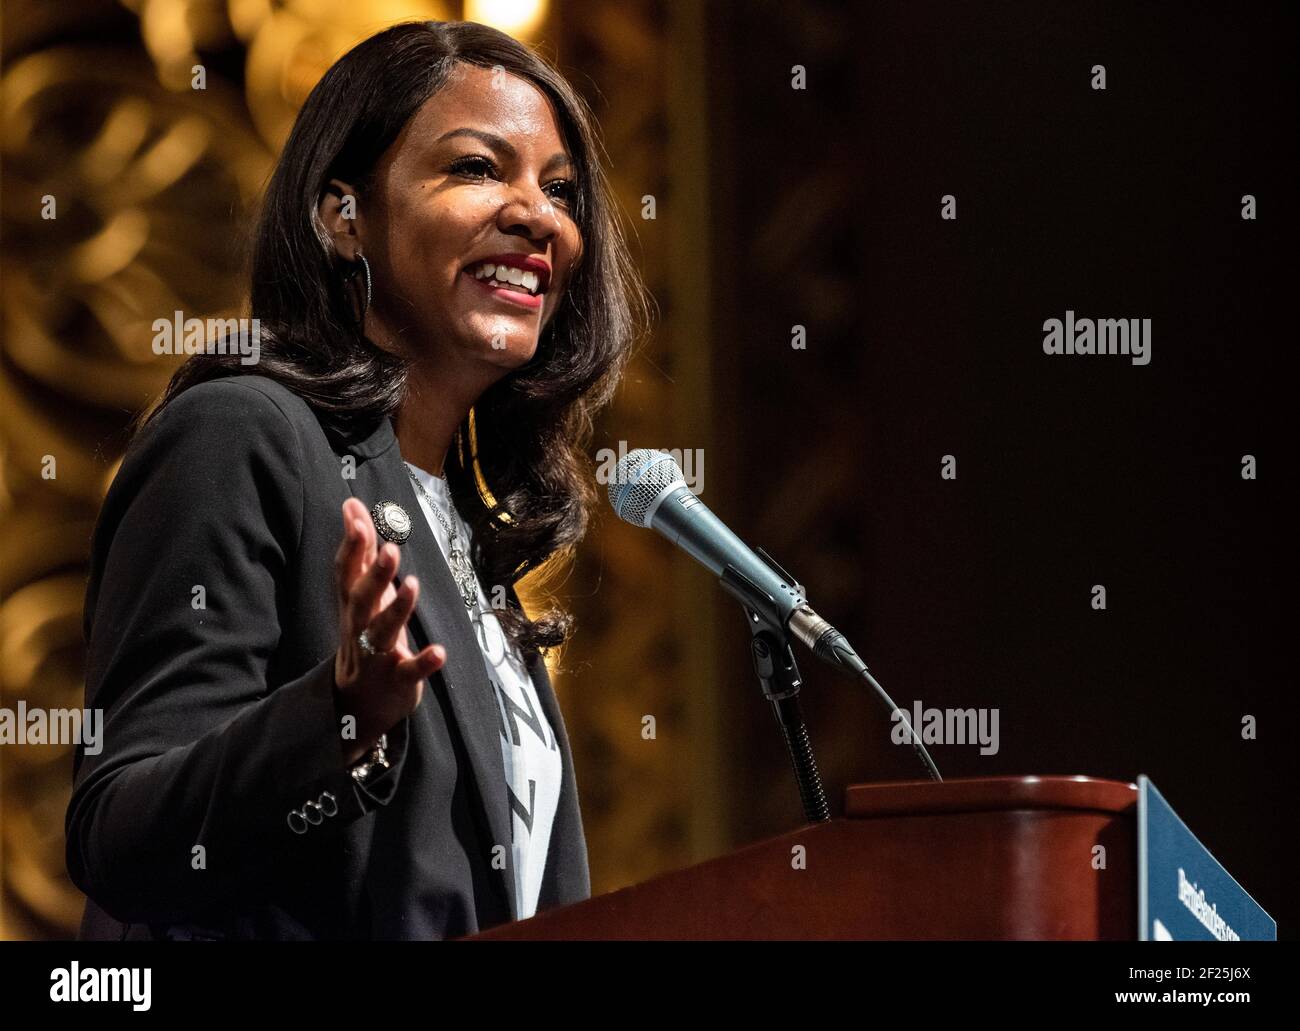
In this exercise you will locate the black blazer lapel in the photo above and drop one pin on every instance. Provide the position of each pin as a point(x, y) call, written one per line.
point(440, 618)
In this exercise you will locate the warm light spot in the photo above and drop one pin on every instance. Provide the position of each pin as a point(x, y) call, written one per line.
point(513, 17)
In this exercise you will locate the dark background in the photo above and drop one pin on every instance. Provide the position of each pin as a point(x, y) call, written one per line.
point(925, 339)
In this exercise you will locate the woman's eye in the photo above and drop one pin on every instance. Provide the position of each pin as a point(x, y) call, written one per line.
point(473, 167)
point(564, 190)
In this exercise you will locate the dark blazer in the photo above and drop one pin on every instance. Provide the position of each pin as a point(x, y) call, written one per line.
point(211, 617)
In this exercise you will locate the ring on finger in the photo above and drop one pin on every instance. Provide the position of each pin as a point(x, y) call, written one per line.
point(364, 643)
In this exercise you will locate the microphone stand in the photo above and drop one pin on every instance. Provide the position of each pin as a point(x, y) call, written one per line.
point(778, 676)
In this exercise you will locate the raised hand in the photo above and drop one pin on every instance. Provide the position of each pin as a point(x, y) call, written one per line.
point(378, 689)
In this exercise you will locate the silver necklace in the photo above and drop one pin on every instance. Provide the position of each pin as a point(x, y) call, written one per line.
point(462, 570)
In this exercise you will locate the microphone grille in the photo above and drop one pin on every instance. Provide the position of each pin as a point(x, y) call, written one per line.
point(641, 477)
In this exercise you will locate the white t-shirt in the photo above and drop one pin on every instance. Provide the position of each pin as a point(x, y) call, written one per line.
point(529, 749)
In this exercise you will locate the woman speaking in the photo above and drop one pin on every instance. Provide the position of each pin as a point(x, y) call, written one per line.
point(326, 712)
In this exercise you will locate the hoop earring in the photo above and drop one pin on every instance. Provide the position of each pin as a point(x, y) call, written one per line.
point(360, 265)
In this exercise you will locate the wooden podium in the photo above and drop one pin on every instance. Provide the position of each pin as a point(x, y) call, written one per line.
point(996, 858)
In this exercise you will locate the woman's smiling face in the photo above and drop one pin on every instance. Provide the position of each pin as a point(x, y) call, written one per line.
point(479, 173)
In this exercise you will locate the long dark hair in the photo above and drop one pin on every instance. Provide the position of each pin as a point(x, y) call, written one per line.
point(518, 469)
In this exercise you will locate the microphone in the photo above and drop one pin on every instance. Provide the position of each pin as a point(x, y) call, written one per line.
point(648, 490)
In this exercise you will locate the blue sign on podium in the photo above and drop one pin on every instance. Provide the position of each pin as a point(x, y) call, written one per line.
point(1183, 892)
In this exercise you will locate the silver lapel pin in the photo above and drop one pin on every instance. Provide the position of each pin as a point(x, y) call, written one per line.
point(391, 521)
